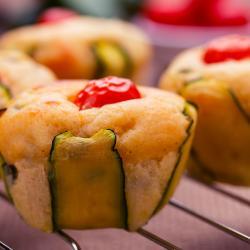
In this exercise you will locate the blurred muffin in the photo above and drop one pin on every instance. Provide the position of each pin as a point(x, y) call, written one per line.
point(215, 77)
point(84, 47)
point(125, 158)
point(18, 73)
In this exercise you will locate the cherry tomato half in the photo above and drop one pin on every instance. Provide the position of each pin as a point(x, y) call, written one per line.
point(227, 48)
point(107, 90)
point(54, 15)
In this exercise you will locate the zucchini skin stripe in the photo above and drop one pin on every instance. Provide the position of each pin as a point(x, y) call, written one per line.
point(239, 106)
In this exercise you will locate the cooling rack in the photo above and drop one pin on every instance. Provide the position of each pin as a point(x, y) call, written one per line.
point(73, 244)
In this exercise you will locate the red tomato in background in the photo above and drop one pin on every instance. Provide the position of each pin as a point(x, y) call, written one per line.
point(226, 13)
point(179, 12)
point(53, 15)
point(197, 12)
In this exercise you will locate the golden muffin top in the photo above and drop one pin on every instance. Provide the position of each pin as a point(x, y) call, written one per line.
point(150, 125)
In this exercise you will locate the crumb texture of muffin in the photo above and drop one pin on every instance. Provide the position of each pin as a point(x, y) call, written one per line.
point(150, 132)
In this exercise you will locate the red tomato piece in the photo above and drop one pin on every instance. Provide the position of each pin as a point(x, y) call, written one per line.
point(56, 14)
point(233, 47)
point(179, 12)
point(104, 91)
point(226, 13)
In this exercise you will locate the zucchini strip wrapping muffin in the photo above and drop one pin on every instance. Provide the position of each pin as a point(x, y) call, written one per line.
point(113, 163)
point(215, 77)
point(84, 47)
point(18, 72)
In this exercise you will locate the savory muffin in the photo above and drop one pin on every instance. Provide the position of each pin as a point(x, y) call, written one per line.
point(17, 73)
point(215, 77)
point(94, 155)
point(84, 47)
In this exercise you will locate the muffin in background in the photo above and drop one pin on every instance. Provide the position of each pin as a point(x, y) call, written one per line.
point(215, 77)
point(18, 72)
point(84, 47)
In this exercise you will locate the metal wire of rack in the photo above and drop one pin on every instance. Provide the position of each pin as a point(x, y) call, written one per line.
point(73, 244)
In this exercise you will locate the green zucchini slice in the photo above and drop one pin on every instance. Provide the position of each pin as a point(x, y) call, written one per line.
point(9, 175)
point(205, 84)
point(190, 113)
point(87, 182)
point(222, 121)
point(5, 97)
point(111, 59)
